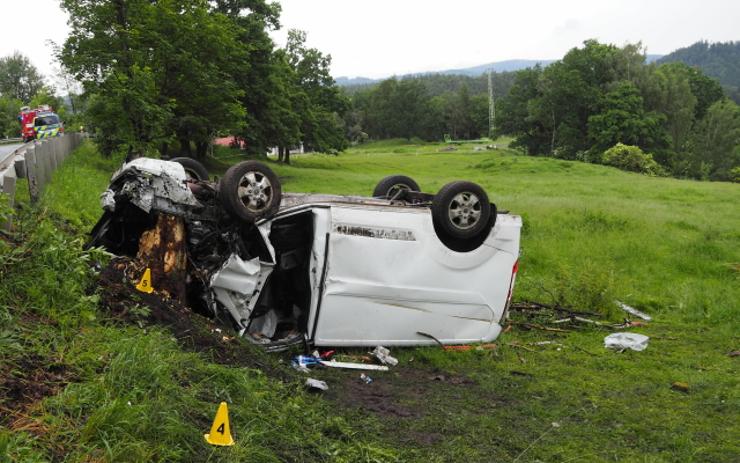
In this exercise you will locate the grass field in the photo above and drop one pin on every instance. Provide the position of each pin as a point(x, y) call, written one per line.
point(592, 235)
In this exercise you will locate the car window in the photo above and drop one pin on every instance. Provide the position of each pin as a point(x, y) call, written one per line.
point(46, 120)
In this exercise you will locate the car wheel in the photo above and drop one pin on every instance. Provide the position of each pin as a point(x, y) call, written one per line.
point(193, 169)
point(250, 191)
point(461, 210)
point(391, 186)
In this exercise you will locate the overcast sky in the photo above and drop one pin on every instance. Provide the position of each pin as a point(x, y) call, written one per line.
point(379, 38)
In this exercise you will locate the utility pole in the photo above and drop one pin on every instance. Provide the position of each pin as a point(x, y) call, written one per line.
point(491, 107)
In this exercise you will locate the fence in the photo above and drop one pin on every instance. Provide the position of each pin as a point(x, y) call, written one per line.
point(35, 161)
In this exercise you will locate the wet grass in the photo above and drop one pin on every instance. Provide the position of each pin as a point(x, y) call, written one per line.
point(592, 234)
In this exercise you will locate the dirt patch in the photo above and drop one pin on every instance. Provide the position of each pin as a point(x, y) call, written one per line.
point(193, 332)
point(29, 380)
point(404, 392)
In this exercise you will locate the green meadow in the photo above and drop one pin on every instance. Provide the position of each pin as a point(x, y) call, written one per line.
point(122, 391)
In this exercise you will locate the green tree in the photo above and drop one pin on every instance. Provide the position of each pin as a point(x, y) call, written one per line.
point(322, 127)
point(19, 79)
point(623, 120)
point(715, 143)
point(156, 71)
point(9, 109)
point(678, 104)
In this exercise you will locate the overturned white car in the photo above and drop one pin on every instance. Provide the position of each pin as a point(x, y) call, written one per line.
point(399, 268)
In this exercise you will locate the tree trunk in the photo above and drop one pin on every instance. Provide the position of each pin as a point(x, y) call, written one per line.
point(201, 149)
point(162, 249)
point(286, 157)
point(185, 147)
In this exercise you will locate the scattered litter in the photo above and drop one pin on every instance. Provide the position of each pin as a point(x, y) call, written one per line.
point(352, 366)
point(555, 424)
point(302, 362)
point(734, 353)
point(633, 311)
point(622, 341)
point(366, 379)
point(315, 384)
point(468, 347)
point(448, 148)
point(384, 356)
point(680, 386)
point(327, 355)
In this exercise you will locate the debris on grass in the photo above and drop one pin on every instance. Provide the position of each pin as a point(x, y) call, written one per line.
point(365, 378)
point(384, 356)
point(623, 341)
point(353, 366)
point(316, 385)
point(633, 311)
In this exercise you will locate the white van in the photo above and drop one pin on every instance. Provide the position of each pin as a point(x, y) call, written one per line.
point(399, 268)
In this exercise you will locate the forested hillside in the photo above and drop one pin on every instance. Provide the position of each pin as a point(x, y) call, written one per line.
point(600, 97)
point(718, 60)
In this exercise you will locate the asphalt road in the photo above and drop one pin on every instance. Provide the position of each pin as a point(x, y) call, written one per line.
point(5, 149)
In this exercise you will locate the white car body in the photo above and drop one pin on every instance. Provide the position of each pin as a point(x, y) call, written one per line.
point(373, 271)
point(379, 275)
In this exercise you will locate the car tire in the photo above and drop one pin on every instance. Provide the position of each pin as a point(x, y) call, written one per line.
point(391, 185)
point(461, 210)
point(193, 169)
point(250, 191)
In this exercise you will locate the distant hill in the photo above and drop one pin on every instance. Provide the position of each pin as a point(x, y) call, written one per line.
point(510, 65)
point(718, 60)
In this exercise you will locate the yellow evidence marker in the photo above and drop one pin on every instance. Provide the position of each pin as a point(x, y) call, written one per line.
point(220, 430)
point(145, 284)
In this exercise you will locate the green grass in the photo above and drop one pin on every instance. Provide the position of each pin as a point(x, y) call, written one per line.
point(592, 234)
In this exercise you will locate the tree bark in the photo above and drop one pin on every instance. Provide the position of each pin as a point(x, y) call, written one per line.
point(162, 249)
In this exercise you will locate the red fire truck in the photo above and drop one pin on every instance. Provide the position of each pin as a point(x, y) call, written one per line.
point(38, 123)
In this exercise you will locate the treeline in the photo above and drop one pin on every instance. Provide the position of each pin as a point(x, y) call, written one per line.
point(169, 76)
point(719, 60)
point(599, 96)
point(425, 106)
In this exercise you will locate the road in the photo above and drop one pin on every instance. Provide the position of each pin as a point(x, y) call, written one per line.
point(5, 149)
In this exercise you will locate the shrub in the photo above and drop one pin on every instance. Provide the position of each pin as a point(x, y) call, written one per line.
point(735, 174)
point(631, 158)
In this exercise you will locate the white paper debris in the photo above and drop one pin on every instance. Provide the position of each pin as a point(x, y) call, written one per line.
point(621, 341)
point(316, 384)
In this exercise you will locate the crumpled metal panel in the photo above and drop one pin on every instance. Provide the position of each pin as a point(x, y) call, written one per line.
point(237, 285)
point(154, 184)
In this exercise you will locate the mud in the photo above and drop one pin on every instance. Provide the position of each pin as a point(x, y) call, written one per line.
point(29, 380)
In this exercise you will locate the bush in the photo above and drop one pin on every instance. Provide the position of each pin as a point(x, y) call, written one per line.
point(735, 174)
point(631, 158)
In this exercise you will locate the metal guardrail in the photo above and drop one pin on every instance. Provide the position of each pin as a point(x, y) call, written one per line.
point(35, 161)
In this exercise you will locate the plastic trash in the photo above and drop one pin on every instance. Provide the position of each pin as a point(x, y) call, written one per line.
point(366, 379)
point(302, 362)
point(312, 383)
point(622, 341)
point(384, 356)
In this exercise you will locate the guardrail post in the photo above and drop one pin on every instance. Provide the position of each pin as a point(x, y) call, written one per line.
point(32, 172)
point(7, 187)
